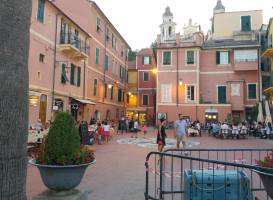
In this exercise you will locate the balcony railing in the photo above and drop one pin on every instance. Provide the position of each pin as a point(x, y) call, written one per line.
point(245, 60)
point(75, 41)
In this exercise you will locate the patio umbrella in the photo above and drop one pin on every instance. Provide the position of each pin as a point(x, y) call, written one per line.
point(260, 117)
point(267, 112)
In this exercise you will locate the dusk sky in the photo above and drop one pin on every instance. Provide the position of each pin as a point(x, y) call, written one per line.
point(138, 20)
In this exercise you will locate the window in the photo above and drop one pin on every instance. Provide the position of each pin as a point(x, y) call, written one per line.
point(146, 60)
point(113, 67)
point(251, 88)
point(190, 57)
point(75, 75)
point(167, 58)
point(146, 76)
point(222, 57)
point(39, 76)
point(97, 56)
point(112, 92)
point(145, 100)
point(105, 90)
point(72, 74)
point(64, 78)
point(190, 93)
point(42, 58)
point(119, 95)
point(79, 77)
point(122, 73)
point(245, 56)
point(95, 87)
point(245, 23)
point(41, 11)
point(107, 34)
point(98, 24)
point(221, 94)
point(114, 42)
point(166, 93)
point(106, 62)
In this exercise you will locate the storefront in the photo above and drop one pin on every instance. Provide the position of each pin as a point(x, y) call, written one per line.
point(137, 113)
point(211, 114)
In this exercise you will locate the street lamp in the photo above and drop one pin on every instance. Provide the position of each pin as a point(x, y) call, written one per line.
point(154, 71)
point(180, 82)
point(110, 86)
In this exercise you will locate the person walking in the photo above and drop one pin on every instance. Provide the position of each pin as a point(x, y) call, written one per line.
point(161, 135)
point(144, 129)
point(106, 131)
point(135, 129)
point(181, 132)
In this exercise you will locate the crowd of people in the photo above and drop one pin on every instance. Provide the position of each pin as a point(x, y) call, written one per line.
point(238, 130)
point(103, 131)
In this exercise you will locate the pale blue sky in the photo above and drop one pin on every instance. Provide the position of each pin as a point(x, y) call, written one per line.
point(138, 20)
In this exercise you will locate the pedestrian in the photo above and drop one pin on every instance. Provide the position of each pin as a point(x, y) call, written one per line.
point(106, 131)
point(145, 129)
point(99, 133)
point(181, 132)
point(161, 135)
point(135, 129)
point(83, 131)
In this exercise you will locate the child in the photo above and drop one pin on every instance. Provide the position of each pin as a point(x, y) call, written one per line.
point(144, 130)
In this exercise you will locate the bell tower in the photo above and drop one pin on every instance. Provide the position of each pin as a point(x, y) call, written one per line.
point(167, 28)
point(219, 8)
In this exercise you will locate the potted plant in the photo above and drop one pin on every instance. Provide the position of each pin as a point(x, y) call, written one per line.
point(61, 159)
point(265, 171)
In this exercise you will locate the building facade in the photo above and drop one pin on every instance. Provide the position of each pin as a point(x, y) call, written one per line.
point(77, 62)
point(209, 79)
point(146, 67)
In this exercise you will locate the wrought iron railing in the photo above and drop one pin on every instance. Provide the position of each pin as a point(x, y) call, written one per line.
point(74, 40)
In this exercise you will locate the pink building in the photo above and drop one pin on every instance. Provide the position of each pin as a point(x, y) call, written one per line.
point(213, 78)
point(146, 65)
point(77, 62)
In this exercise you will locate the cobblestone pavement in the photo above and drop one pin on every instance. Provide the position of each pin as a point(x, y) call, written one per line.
point(119, 173)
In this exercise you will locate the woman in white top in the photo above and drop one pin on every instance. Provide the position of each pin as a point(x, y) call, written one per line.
point(106, 131)
point(135, 129)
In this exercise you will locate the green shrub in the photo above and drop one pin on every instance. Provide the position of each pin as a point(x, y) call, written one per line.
point(62, 144)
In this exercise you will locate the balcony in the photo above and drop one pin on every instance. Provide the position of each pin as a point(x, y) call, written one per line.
point(72, 45)
point(246, 65)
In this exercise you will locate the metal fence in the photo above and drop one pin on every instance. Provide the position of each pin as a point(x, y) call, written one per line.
point(167, 174)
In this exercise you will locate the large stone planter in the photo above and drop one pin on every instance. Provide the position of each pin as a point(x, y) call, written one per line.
point(267, 179)
point(61, 177)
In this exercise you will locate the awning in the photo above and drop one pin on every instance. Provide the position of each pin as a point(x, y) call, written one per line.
point(269, 90)
point(211, 110)
point(33, 93)
point(83, 101)
point(268, 53)
point(136, 109)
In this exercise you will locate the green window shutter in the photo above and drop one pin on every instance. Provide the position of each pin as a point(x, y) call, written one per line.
point(106, 63)
point(228, 57)
point(217, 57)
point(190, 57)
point(252, 91)
point(63, 77)
point(79, 77)
point(222, 95)
point(142, 60)
point(97, 56)
point(95, 87)
point(119, 95)
point(167, 58)
point(120, 72)
point(245, 23)
point(150, 59)
point(41, 10)
point(98, 24)
point(72, 73)
point(105, 90)
point(145, 76)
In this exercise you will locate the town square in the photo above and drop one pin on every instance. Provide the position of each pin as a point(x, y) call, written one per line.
point(129, 100)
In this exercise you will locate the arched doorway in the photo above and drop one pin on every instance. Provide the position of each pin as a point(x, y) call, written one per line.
point(97, 115)
point(108, 115)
